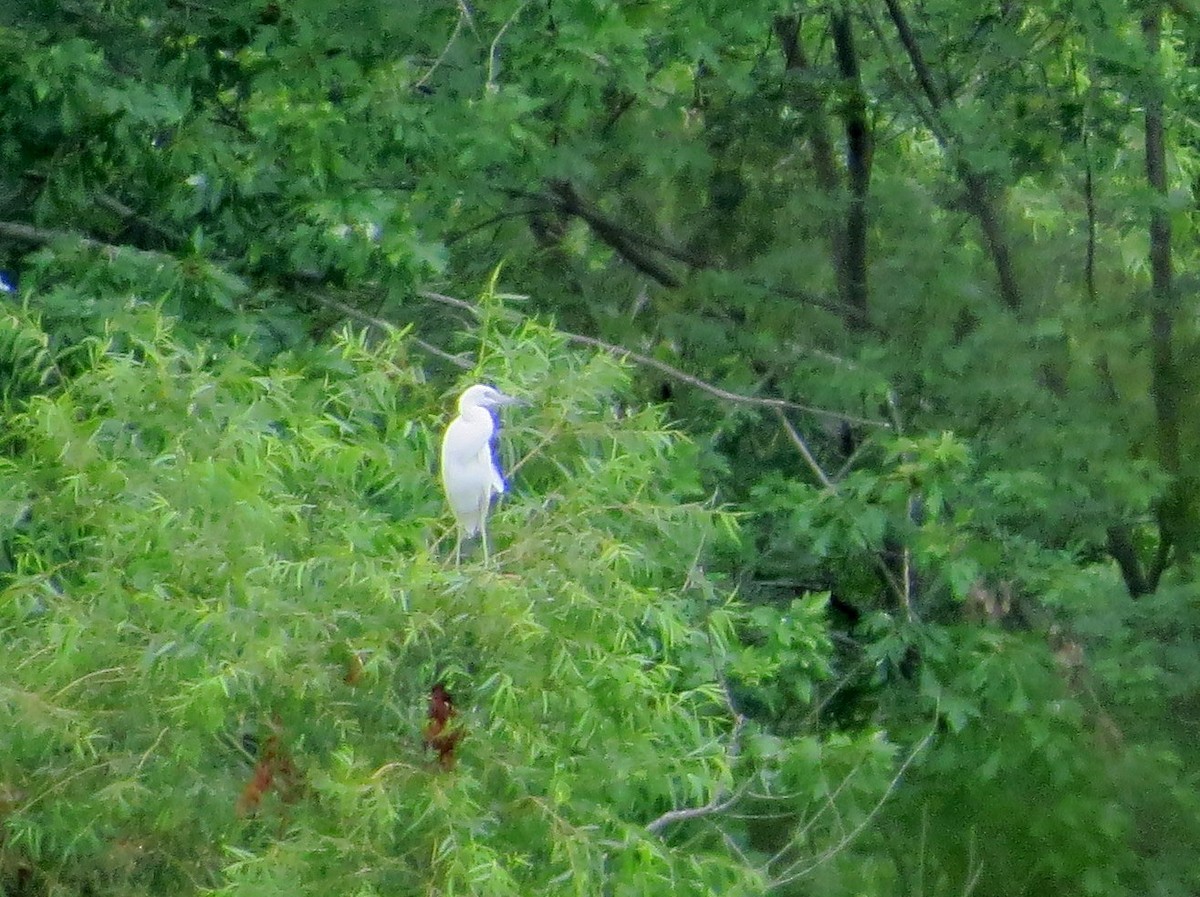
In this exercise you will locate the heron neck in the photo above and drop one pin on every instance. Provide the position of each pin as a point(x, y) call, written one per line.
point(475, 414)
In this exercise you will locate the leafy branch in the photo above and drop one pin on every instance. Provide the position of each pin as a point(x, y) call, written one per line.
point(902, 592)
point(722, 800)
point(799, 869)
point(42, 236)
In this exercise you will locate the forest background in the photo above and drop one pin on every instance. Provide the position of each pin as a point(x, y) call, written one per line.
point(852, 536)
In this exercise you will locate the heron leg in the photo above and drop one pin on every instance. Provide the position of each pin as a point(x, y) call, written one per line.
point(458, 547)
point(483, 534)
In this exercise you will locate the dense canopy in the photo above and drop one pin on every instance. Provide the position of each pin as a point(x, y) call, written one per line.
point(850, 544)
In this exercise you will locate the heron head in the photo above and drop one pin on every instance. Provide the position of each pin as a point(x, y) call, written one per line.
point(483, 396)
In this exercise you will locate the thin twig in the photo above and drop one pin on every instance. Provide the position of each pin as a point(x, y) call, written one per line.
point(449, 300)
point(805, 452)
point(719, 803)
point(494, 50)
point(388, 327)
point(901, 592)
point(820, 706)
point(115, 205)
point(723, 798)
point(84, 678)
point(830, 804)
point(859, 450)
point(533, 452)
point(714, 390)
point(973, 881)
point(29, 234)
point(150, 750)
point(453, 237)
point(469, 14)
point(60, 784)
point(733, 846)
point(462, 17)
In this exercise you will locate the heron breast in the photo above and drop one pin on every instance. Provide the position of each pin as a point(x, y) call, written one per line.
point(470, 486)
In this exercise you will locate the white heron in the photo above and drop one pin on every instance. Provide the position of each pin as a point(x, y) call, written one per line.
point(470, 473)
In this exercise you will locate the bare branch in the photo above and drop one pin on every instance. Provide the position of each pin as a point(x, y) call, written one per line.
point(455, 236)
point(449, 300)
point(42, 236)
point(115, 205)
point(30, 234)
point(733, 846)
point(469, 15)
point(721, 801)
point(976, 873)
point(62, 783)
point(901, 591)
point(635, 248)
point(830, 803)
point(27, 233)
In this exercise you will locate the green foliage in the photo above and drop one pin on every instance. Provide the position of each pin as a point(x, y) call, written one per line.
point(203, 544)
point(901, 634)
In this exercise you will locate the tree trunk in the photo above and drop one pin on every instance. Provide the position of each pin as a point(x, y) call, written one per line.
point(1162, 305)
point(858, 167)
point(1164, 387)
point(808, 102)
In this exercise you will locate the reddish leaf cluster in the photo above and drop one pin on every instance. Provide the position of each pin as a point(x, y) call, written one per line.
point(275, 769)
point(439, 733)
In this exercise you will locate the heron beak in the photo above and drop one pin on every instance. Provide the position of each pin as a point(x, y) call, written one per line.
point(502, 399)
